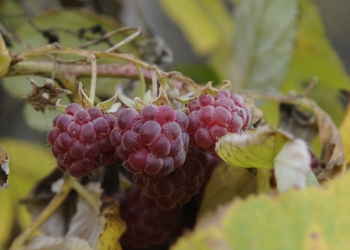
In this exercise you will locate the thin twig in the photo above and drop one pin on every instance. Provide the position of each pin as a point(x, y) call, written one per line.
point(85, 195)
point(154, 85)
point(93, 77)
point(126, 40)
point(310, 86)
point(55, 48)
point(19, 242)
point(108, 35)
point(142, 83)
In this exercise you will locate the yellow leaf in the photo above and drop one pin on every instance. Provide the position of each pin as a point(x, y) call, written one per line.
point(114, 229)
point(256, 150)
point(315, 218)
point(5, 58)
point(345, 135)
point(206, 24)
point(314, 56)
point(29, 163)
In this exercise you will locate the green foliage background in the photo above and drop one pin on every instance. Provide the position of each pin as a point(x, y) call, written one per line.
point(267, 46)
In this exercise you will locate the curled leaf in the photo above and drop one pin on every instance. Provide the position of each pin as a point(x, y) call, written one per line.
point(332, 157)
point(4, 168)
point(257, 149)
point(114, 228)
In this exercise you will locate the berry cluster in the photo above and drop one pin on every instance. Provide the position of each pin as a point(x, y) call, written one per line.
point(80, 139)
point(153, 141)
point(147, 223)
point(169, 154)
point(212, 117)
point(179, 186)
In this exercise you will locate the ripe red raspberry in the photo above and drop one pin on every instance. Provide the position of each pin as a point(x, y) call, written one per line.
point(147, 224)
point(179, 186)
point(153, 141)
point(212, 117)
point(80, 139)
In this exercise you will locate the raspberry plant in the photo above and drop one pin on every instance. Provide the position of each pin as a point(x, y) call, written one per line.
point(145, 163)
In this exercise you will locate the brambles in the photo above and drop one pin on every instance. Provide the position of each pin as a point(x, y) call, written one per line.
point(179, 186)
point(147, 223)
point(212, 116)
point(80, 139)
point(153, 141)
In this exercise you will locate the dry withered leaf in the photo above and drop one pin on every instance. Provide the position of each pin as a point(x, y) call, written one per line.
point(298, 122)
point(44, 242)
point(4, 169)
point(40, 197)
point(332, 157)
point(256, 114)
point(114, 227)
point(84, 227)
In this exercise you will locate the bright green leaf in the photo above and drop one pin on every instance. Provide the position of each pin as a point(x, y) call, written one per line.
point(315, 218)
point(314, 56)
point(206, 24)
point(264, 43)
point(28, 163)
point(256, 150)
point(226, 182)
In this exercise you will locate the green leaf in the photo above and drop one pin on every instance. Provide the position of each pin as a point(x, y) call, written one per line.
point(38, 120)
point(314, 56)
point(206, 24)
point(198, 72)
point(315, 218)
point(71, 21)
point(5, 59)
point(29, 162)
point(256, 150)
point(264, 43)
point(226, 182)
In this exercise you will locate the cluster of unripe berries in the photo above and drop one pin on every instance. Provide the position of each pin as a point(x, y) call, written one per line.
point(164, 149)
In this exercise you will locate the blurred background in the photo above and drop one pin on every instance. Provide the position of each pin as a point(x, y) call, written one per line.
point(205, 38)
point(155, 19)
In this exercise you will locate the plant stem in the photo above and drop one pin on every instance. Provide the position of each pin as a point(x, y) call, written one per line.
point(55, 48)
point(93, 78)
point(19, 242)
point(142, 83)
point(85, 195)
point(263, 180)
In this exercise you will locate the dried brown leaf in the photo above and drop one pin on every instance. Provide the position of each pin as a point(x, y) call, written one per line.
point(57, 243)
point(40, 197)
point(298, 122)
point(256, 114)
point(332, 157)
point(86, 224)
point(4, 168)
